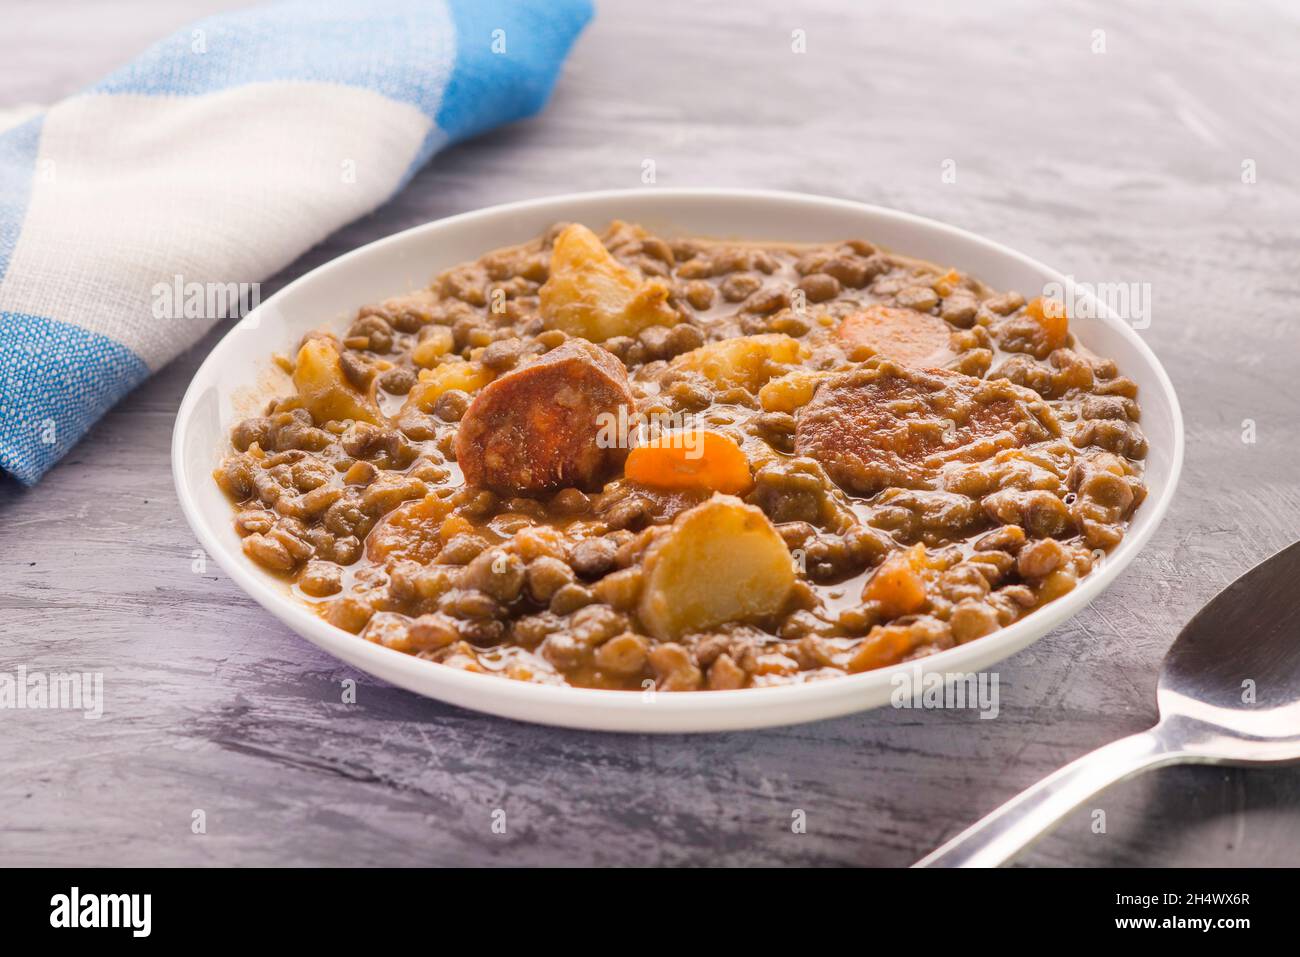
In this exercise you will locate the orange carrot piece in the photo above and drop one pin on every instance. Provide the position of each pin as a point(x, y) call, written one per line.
point(1050, 316)
point(690, 459)
point(897, 584)
point(948, 282)
point(884, 645)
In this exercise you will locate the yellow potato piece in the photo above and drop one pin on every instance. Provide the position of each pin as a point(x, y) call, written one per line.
point(435, 345)
point(790, 391)
point(456, 374)
point(746, 362)
point(324, 389)
point(592, 295)
point(721, 561)
point(411, 531)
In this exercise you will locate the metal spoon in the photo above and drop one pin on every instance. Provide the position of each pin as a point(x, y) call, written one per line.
point(1229, 693)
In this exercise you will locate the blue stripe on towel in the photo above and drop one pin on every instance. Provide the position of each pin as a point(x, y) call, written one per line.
point(55, 381)
point(389, 46)
point(374, 45)
point(489, 87)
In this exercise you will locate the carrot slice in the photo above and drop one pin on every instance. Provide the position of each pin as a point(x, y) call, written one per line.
point(1051, 318)
point(690, 459)
point(897, 584)
point(904, 335)
point(946, 283)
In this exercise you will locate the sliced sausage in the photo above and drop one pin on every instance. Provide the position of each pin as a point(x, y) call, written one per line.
point(884, 424)
point(545, 425)
point(904, 335)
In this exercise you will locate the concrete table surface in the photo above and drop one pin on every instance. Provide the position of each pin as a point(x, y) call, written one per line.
point(1116, 156)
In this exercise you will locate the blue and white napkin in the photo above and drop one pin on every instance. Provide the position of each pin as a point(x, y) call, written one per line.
point(220, 155)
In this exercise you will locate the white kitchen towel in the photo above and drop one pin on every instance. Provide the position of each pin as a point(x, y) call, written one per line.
point(218, 156)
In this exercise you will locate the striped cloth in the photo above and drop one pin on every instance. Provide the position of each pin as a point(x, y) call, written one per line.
point(219, 156)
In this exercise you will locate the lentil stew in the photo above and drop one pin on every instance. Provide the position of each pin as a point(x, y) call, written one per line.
point(626, 461)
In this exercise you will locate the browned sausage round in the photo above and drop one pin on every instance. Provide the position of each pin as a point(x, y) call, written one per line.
point(884, 424)
point(539, 427)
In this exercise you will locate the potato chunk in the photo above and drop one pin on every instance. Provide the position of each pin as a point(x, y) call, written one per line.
point(456, 374)
point(721, 561)
point(411, 531)
point(324, 389)
point(592, 295)
point(792, 390)
point(745, 362)
point(438, 342)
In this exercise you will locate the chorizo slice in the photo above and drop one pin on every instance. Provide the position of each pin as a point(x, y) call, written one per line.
point(545, 426)
point(904, 335)
point(885, 425)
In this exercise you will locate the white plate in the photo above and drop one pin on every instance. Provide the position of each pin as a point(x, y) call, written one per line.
point(331, 294)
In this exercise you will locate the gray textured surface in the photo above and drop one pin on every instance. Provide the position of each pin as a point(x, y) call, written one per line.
point(1122, 166)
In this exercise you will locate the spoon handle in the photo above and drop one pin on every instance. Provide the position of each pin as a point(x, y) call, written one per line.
point(1001, 835)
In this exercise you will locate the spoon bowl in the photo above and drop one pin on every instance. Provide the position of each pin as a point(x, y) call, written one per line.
point(1230, 685)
